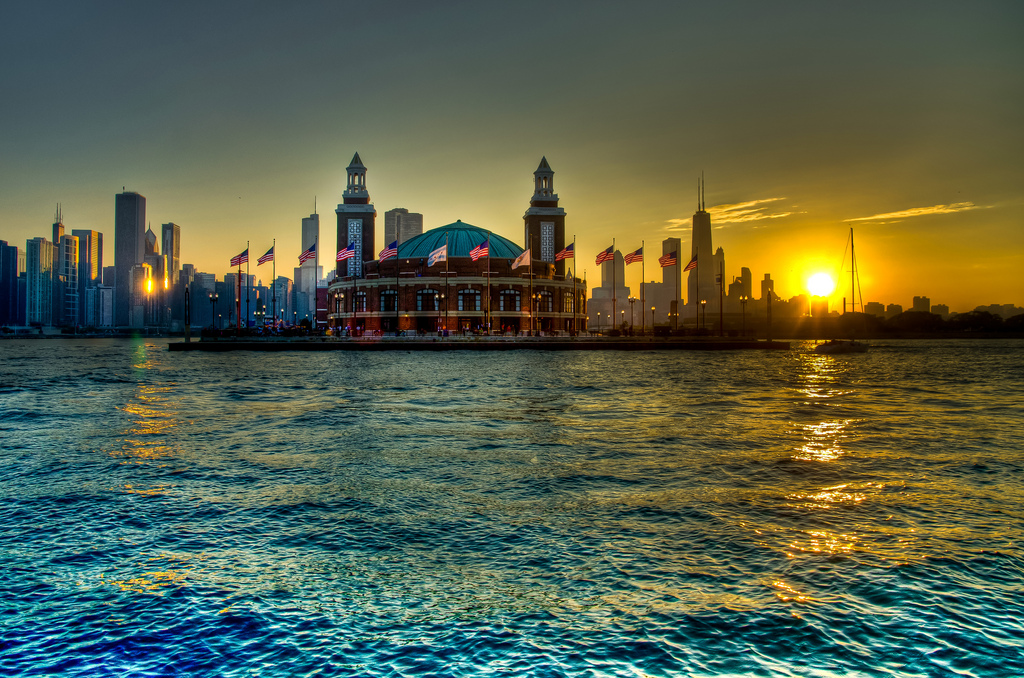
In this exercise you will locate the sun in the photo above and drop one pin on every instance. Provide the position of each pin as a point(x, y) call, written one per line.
point(820, 284)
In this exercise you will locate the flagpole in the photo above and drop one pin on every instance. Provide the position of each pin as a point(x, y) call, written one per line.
point(614, 295)
point(530, 250)
point(247, 295)
point(273, 285)
point(575, 310)
point(447, 301)
point(488, 283)
point(238, 297)
point(398, 285)
point(643, 277)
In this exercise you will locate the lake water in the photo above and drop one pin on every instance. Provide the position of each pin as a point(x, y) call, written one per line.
point(522, 513)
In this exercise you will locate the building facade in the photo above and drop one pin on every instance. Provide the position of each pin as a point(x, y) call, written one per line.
point(129, 251)
point(457, 293)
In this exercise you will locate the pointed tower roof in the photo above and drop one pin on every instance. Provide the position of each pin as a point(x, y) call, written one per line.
point(543, 164)
point(356, 163)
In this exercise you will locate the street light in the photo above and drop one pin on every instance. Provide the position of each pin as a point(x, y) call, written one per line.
point(213, 309)
point(622, 318)
point(743, 304)
point(632, 300)
point(703, 307)
point(652, 321)
point(599, 322)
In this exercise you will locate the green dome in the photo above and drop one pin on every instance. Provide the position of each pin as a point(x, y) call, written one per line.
point(462, 238)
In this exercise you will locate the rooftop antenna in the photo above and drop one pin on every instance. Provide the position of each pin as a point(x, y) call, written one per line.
point(314, 204)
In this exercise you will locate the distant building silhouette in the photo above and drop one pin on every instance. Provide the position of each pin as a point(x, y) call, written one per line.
point(171, 248)
point(941, 310)
point(8, 284)
point(922, 305)
point(700, 284)
point(129, 250)
point(400, 224)
point(893, 310)
point(767, 285)
point(874, 308)
point(39, 264)
point(90, 270)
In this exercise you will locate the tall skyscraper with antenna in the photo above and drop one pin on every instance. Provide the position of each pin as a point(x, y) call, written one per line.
point(700, 285)
point(129, 250)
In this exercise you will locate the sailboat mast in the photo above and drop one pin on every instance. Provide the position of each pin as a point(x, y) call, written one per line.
point(853, 277)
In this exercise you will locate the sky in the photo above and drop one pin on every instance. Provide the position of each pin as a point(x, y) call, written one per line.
point(900, 120)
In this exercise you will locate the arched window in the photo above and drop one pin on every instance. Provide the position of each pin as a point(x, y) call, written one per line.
point(469, 300)
point(428, 300)
point(544, 302)
point(509, 300)
point(389, 301)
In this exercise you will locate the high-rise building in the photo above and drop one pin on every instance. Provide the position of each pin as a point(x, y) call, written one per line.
point(171, 247)
point(356, 219)
point(922, 305)
point(58, 225)
point(400, 224)
point(544, 221)
point(311, 236)
point(66, 281)
point(39, 256)
point(8, 284)
point(700, 285)
point(767, 285)
point(129, 250)
point(90, 267)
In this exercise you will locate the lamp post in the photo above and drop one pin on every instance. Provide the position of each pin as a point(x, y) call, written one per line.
point(599, 322)
point(622, 319)
point(632, 321)
point(213, 309)
point(743, 305)
point(703, 308)
point(652, 321)
point(342, 309)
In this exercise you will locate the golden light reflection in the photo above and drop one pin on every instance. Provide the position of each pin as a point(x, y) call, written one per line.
point(151, 583)
point(825, 542)
point(823, 441)
point(830, 497)
point(788, 594)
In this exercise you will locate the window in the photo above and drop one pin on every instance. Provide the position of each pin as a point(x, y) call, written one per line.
point(469, 300)
point(428, 300)
point(360, 302)
point(567, 306)
point(509, 300)
point(547, 241)
point(544, 302)
point(389, 301)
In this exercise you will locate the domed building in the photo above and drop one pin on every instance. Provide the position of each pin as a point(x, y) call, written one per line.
point(467, 290)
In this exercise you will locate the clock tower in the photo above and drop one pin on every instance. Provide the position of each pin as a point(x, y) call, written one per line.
point(545, 220)
point(356, 221)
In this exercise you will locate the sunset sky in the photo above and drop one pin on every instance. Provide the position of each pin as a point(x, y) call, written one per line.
point(904, 120)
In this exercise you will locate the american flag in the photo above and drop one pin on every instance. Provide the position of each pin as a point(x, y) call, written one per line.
point(308, 254)
point(607, 255)
point(692, 264)
point(269, 256)
point(481, 250)
point(348, 252)
point(634, 257)
point(242, 258)
point(389, 252)
point(667, 260)
point(567, 253)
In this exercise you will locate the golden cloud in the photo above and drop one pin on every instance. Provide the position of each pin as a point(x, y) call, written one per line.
point(741, 212)
point(919, 211)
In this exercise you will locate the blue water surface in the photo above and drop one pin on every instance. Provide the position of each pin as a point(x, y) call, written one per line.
point(522, 513)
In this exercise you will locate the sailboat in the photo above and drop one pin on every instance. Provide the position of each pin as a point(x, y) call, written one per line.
point(847, 345)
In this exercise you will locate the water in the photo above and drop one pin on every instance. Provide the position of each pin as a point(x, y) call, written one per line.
point(463, 514)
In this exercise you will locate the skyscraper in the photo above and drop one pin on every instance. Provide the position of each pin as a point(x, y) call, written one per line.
point(90, 267)
point(67, 275)
point(39, 254)
point(8, 284)
point(171, 247)
point(400, 224)
point(129, 250)
point(700, 285)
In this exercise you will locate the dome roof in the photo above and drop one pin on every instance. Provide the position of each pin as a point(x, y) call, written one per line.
point(462, 238)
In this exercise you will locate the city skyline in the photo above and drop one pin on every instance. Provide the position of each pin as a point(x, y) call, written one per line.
point(805, 121)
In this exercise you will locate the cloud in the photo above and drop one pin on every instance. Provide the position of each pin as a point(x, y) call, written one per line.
point(738, 213)
point(918, 212)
